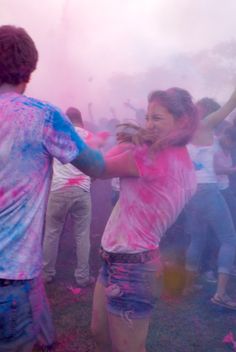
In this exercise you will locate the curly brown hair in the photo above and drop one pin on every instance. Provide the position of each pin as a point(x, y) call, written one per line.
point(18, 55)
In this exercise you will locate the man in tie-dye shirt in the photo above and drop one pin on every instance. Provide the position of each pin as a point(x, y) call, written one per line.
point(32, 133)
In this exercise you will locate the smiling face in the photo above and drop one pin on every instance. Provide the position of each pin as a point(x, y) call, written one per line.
point(159, 119)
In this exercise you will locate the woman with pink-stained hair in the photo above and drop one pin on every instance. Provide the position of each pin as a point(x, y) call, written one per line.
point(156, 181)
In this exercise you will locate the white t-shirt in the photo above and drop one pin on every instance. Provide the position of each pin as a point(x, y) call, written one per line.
point(66, 175)
point(149, 204)
point(203, 160)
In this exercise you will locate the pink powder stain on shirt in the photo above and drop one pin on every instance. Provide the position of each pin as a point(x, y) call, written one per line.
point(2, 197)
point(146, 195)
point(75, 181)
point(17, 191)
point(1, 192)
point(21, 275)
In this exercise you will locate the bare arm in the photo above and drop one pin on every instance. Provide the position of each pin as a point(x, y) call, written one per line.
point(212, 120)
point(220, 168)
point(90, 161)
point(119, 162)
point(118, 149)
point(120, 165)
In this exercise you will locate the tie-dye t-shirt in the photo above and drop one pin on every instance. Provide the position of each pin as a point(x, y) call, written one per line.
point(149, 204)
point(31, 134)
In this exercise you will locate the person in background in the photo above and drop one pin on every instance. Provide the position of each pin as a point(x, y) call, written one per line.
point(224, 169)
point(223, 165)
point(208, 208)
point(69, 196)
point(32, 133)
point(150, 162)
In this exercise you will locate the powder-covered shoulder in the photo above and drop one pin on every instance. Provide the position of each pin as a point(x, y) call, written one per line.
point(150, 164)
point(47, 107)
point(146, 161)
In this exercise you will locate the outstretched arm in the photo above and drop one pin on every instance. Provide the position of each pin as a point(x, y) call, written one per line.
point(212, 120)
point(121, 163)
point(90, 161)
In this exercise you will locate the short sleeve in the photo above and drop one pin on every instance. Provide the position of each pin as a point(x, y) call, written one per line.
point(147, 163)
point(60, 138)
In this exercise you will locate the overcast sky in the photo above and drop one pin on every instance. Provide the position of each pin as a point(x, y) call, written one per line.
point(82, 43)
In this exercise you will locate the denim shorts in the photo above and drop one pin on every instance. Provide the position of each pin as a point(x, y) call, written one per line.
point(131, 289)
point(21, 306)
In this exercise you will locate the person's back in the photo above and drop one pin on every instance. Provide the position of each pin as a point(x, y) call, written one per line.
point(25, 176)
point(32, 133)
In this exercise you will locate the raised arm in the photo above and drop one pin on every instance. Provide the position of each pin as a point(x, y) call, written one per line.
point(212, 120)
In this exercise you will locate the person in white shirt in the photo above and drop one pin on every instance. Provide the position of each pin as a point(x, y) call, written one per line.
point(70, 195)
point(208, 207)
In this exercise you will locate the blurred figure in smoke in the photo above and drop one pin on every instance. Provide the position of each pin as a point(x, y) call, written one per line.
point(208, 207)
point(151, 162)
point(32, 133)
point(223, 165)
point(139, 113)
point(224, 169)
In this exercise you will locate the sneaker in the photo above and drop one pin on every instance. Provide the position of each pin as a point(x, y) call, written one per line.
point(209, 276)
point(224, 301)
point(85, 283)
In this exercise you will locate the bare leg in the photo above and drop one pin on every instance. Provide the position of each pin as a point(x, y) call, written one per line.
point(99, 325)
point(127, 334)
point(221, 284)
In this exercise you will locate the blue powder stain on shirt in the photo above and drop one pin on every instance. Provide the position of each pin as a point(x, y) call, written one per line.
point(198, 166)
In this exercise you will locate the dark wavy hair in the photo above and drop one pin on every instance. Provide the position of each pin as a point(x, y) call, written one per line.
point(179, 103)
point(18, 55)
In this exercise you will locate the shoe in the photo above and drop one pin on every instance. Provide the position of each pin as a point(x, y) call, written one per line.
point(85, 283)
point(209, 276)
point(224, 301)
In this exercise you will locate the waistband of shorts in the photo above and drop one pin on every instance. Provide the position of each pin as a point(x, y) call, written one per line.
point(8, 282)
point(132, 258)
